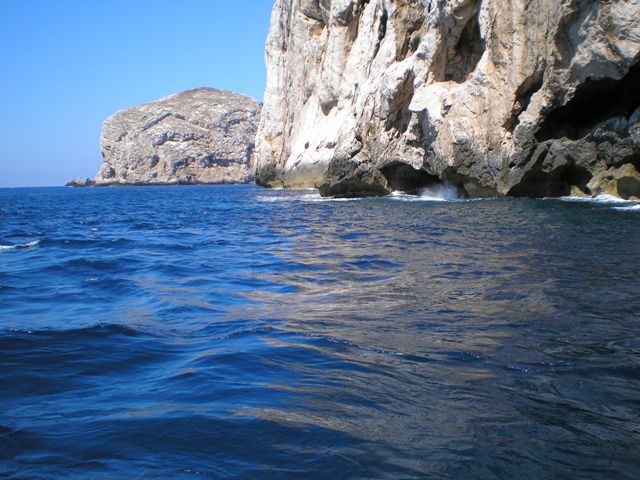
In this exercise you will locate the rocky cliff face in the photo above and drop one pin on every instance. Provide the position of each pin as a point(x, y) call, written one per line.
point(200, 136)
point(520, 97)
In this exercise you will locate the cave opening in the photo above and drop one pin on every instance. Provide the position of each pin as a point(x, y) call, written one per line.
point(593, 102)
point(404, 178)
point(575, 176)
point(560, 183)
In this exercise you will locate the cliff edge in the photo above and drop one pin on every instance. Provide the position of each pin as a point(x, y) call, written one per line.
point(521, 98)
point(199, 136)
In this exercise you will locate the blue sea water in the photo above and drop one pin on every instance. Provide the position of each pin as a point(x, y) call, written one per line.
point(236, 332)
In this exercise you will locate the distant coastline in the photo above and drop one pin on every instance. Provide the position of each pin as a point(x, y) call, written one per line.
point(88, 183)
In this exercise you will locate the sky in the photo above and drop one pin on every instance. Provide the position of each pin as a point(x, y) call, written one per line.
point(66, 65)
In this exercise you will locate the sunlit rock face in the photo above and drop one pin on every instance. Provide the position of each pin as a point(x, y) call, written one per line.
point(521, 97)
point(199, 136)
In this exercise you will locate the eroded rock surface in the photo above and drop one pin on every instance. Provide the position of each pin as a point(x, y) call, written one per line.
point(526, 97)
point(199, 136)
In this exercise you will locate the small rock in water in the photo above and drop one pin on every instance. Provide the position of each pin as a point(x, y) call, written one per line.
point(80, 182)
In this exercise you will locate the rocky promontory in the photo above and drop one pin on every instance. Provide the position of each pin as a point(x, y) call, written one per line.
point(519, 98)
point(196, 137)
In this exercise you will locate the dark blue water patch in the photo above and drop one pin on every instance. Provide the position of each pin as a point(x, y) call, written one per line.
point(247, 333)
point(122, 446)
point(54, 362)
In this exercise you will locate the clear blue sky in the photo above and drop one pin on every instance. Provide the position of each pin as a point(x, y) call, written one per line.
point(66, 65)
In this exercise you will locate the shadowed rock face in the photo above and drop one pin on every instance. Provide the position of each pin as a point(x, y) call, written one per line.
point(199, 136)
point(525, 98)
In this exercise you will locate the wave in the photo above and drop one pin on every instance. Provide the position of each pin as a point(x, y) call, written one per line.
point(435, 193)
point(100, 330)
point(600, 198)
point(277, 198)
point(19, 246)
point(605, 199)
point(315, 197)
point(309, 197)
point(630, 208)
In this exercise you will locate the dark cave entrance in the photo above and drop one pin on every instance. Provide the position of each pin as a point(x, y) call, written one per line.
point(593, 102)
point(404, 178)
point(560, 183)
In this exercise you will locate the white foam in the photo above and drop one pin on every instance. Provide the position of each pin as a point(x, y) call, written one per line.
point(277, 198)
point(262, 198)
point(311, 197)
point(277, 189)
point(315, 197)
point(435, 193)
point(601, 198)
point(308, 197)
point(630, 208)
point(17, 246)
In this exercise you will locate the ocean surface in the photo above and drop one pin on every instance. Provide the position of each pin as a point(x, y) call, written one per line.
point(237, 332)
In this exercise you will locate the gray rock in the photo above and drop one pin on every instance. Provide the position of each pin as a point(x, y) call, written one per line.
point(80, 182)
point(195, 137)
point(531, 97)
point(623, 182)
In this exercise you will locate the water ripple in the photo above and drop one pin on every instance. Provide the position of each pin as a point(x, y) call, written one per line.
point(246, 333)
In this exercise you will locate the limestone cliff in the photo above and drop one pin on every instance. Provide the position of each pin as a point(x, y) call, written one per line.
point(519, 97)
point(199, 136)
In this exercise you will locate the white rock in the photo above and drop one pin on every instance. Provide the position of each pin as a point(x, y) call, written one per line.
point(463, 91)
point(199, 136)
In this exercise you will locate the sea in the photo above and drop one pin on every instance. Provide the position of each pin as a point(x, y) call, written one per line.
point(238, 332)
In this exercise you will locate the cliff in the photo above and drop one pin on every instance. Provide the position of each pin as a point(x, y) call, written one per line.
point(522, 98)
point(199, 136)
